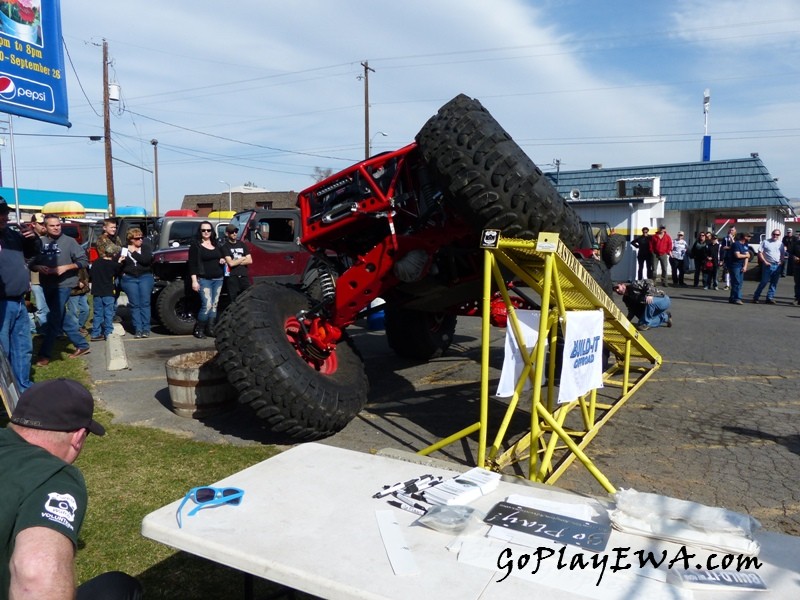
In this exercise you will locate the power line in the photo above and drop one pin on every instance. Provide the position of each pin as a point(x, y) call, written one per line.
point(227, 139)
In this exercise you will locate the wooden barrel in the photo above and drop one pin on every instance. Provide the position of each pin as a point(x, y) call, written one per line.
point(198, 386)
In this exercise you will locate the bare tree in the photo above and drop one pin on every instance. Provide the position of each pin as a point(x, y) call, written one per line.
point(320, 173)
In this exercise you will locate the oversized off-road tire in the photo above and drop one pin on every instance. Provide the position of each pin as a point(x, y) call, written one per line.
point(600, 273)
point(294, 395)
point(176, 310)
point(488, 178)
point(417, 334)
point(614, 249)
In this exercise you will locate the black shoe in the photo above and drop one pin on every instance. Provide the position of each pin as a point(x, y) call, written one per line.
point(669, 319)
point(97, 338)
point(209, 329)
point(770, 301)
point(755, 301)
point(198, 330)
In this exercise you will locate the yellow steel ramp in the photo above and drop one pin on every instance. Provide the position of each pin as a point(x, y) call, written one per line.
point(559, 433)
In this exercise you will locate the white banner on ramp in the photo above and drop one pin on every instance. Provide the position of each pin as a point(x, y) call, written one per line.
point(513, 361)
point(582, 366)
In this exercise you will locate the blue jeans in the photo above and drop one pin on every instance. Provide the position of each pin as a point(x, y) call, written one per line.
point(41, 306)
point(77, 309)
point(655, 313)
point(16, 341)
point(770, 274)
point(210, 290)
point(56, 323)
point(737, 278)
point(138, 290)
point(103, 321)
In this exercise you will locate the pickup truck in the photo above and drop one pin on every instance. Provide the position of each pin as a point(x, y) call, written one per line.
point(270, 237)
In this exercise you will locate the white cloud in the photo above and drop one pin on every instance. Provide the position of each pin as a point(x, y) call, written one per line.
point(284, 75)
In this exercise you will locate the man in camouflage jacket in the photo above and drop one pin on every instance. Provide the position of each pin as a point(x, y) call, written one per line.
point(645, 302)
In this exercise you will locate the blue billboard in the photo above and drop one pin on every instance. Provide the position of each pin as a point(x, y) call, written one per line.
point(32, 79)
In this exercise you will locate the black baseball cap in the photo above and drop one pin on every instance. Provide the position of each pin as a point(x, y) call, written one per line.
point(4, 208)
point(57, 405)
point(230, 228)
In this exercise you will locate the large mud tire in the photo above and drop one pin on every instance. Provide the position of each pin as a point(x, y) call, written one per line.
point(600, 273)
point(274, 379)
point(614, 249)
point(417, 334)
point(177, 310)
point(488, 178)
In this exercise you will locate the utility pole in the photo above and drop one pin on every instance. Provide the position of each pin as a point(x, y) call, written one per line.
point(107, 134)
point(155, 174)
point(367, 69)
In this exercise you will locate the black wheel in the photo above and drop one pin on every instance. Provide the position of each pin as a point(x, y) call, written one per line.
point(295, 392)
point(600, 273)
point(418, 335)
point(488, 178)
point(614, 249)
point(176, 310)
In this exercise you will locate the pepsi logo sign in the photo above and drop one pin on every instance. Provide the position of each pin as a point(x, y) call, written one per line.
point(7, 87)
point(26, 93)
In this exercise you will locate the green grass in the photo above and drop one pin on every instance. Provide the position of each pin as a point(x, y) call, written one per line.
point(132, 471)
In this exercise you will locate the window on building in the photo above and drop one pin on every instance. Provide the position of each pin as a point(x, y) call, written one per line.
point(638, 187)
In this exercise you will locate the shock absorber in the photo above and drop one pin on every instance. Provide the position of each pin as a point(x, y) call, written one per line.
point(327, 283)
point(430, 195)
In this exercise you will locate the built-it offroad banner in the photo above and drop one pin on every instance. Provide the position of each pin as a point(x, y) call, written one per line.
point(582, 365)
point(32, 79)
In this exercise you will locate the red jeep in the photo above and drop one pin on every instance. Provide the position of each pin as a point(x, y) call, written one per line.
point(403, 226)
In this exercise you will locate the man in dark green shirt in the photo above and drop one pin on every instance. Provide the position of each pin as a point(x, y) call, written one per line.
point(43, 496)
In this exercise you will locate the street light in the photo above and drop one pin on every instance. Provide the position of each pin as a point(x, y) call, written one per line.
point(230, 204)
point(373, 138)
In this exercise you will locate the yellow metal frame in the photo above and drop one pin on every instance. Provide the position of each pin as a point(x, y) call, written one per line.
point(549, 268)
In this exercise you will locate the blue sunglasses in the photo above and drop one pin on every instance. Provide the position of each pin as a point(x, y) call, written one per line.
point(206, 496)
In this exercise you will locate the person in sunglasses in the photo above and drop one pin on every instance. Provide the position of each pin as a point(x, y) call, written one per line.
point(137, 279)
point(237, 256)
point(206, 269)
point(43, 497)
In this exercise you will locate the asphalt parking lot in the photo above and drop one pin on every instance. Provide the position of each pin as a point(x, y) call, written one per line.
point(719, 423)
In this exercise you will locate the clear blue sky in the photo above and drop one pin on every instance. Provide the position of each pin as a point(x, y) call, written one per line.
point(264, 91)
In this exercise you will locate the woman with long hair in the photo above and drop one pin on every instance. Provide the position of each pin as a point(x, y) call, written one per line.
point(206, 269)
point(137, 279)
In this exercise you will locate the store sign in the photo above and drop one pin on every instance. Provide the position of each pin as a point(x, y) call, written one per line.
point(32, 79)
point(732, 221)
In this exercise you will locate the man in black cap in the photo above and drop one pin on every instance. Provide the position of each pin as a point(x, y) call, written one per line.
point(15, 325)
point(237, 257)
point(43, 496)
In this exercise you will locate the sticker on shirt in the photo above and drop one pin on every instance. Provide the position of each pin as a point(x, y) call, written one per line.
point(60, 508)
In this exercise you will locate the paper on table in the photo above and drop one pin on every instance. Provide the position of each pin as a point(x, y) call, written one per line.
point(398, 551)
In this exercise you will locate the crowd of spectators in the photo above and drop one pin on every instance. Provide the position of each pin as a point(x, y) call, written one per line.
point(721, 261)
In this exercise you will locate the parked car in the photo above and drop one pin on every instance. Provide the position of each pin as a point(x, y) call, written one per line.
point(270, 237)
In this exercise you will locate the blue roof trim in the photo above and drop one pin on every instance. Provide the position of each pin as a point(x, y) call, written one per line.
point(721, 184)
point(35, 199)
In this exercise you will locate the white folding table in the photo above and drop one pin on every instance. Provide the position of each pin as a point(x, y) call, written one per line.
point(308, 521)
